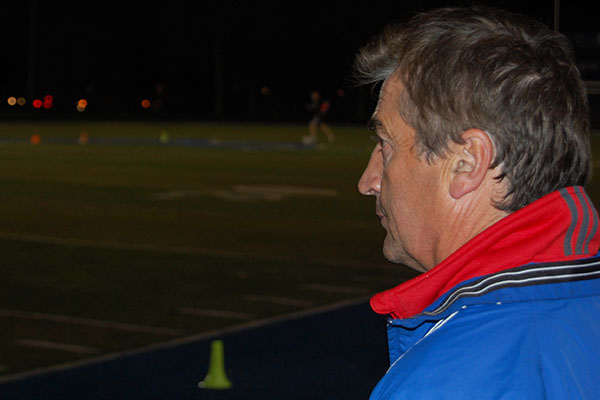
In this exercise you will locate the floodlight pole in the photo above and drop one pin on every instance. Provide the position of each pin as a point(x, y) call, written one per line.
point(218, 73)
point(556, 15)
point(32, 49)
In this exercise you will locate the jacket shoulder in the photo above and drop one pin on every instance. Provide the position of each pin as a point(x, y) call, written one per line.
point(503, 350)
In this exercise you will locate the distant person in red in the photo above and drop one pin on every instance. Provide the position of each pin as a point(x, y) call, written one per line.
point(319, 108)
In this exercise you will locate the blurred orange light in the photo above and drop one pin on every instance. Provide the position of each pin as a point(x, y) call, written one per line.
point(81, 105)
point(37, 103)
point(35, 139)
point(83, 138)
point(12, 101)
point(146, 103)
point(21, 101)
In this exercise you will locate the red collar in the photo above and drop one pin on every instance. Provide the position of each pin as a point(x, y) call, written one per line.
point(558, 227)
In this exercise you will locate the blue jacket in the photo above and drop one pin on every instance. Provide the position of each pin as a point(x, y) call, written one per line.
point(530, 331)
point(526, 333)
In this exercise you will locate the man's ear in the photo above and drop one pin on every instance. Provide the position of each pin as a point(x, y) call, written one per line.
point(471, 162)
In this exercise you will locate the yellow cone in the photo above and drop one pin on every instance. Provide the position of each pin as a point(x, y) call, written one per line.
point(216, 377)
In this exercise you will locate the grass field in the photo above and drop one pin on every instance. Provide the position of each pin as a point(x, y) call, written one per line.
point(128, 241)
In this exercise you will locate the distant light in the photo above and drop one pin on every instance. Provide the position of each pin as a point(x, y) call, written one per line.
point(83, 138)
point(21, 101)
point(264, 91)
point(146, 103)
point(164, 137)
point(35, 138)
point(37, 103)
point(12, 101)
point(82, 105)
point(48, 101)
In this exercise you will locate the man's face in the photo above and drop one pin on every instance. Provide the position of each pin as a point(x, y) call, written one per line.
point(409, 192)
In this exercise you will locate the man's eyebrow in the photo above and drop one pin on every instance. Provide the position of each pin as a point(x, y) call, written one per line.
point(374, 125)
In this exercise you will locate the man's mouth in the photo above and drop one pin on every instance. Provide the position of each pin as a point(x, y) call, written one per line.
point(379, 212)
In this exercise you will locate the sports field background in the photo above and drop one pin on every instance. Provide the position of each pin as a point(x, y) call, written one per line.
point(146, 232)
point(119, 235)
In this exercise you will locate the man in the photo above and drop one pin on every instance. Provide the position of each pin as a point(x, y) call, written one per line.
point(478, 170)
point(318, 108)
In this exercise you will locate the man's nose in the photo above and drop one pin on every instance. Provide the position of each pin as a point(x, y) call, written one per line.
point(369, 183)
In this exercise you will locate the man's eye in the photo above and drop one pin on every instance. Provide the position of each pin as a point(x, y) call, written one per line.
point(386, 149)
point(379, 141)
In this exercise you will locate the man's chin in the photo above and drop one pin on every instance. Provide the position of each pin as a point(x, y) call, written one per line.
point(399, 256)
point(393, 254)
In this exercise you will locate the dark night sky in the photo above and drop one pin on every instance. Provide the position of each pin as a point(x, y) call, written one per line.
point(206, 51)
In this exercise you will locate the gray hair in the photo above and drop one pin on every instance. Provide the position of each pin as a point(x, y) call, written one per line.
point(500, 72)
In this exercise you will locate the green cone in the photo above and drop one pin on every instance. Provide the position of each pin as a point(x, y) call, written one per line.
point(216, 377)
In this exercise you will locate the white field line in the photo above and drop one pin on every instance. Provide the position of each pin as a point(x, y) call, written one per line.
point(249, 192)
point(177, 194)
point(236, 196)
point(284, 301)
point(285, 190)
point(94, 243)
point(203, 312)
point(318, 287)
point(95, 323)
point(182, 341)
point(69, 348)
point(166, 249)
point(374, 279)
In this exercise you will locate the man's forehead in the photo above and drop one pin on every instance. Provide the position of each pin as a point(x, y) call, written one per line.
point(387, 109)
point(388, 94)
point(391, 87)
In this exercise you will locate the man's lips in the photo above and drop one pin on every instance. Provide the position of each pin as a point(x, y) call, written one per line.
point(382, 220)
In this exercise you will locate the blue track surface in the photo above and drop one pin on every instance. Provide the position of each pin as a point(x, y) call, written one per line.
point(331, 355)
